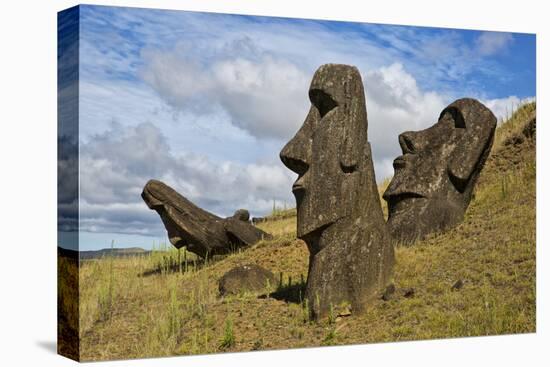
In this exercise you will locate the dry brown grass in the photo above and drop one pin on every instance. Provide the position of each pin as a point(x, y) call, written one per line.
point(156, 312)
point(510, 126)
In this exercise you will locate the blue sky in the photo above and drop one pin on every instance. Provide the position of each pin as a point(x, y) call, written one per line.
point(205, 102)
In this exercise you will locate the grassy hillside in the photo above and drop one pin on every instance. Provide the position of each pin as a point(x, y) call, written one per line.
point(167, 303)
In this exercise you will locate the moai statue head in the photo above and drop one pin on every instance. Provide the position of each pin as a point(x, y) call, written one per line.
point(330, 153)
point(434, 178)
point(338, 207)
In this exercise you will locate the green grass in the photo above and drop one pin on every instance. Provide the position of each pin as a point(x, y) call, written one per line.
point(228, 337)
point(167, 302)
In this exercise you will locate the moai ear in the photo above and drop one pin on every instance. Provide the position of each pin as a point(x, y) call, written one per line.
point(348, 155)
point(474, 146)
point(355, 127)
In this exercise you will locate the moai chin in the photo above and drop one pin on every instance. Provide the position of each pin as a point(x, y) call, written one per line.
point(434, 178)
point(339, 212)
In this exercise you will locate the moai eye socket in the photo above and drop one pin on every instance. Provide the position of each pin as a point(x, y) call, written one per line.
point(456, 115)
point(322, 101)
point(406, 142)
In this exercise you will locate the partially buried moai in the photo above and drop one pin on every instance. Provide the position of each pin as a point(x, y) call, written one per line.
point(339, 212)
point(435, 177)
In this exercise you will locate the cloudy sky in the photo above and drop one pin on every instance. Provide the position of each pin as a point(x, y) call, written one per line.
point(205, 102)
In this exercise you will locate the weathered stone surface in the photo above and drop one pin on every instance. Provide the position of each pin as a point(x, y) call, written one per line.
point(246, 278)
point(202, 233)
point(242, 214)
point(338, 208)
point(434, 178)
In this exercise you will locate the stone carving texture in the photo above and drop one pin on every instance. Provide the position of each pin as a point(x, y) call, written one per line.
point(338, 205)
point(242, 214)
point(202, 233)
point(434, 178)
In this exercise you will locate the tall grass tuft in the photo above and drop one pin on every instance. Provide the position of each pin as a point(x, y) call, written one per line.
point(504, 187)
point(105, 294)
point(174, 314)
point(228, 339)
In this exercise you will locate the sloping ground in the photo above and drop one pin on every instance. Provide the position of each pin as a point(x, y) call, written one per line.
point(158, 309)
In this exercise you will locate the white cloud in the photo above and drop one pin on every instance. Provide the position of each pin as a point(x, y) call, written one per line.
point(268, 97)
point(490, 43)
point(263, 96)
point(211, 133)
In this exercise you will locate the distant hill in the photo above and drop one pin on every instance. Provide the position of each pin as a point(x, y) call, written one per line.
point(116, 252)
point(98, 254)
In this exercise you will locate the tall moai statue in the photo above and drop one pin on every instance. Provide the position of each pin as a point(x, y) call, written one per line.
point(339, 212)
point(435, 177)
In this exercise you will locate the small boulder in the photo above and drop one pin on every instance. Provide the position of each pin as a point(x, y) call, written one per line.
point(245, 278)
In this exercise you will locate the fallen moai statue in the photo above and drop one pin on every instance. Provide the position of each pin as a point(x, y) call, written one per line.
point(201, 232)
point(435, 177)
point(339, 214)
